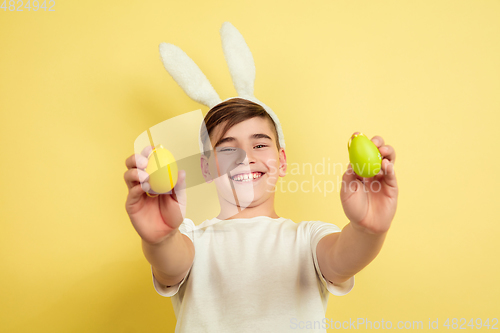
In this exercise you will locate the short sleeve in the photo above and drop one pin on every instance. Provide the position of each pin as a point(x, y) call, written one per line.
point(318, 231)
point(187, 228)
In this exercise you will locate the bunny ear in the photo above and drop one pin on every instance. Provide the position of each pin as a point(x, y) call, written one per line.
point(239, 59)
point(188, 75)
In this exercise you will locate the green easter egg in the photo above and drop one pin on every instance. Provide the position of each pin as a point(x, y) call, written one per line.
point(364, 156)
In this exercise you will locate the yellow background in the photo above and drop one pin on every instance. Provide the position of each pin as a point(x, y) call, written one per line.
point(78, 85)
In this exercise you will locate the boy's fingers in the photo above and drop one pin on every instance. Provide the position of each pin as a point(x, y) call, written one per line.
point(389, 173)
point(388, 152)
point(134, 176)
point(136, 161)
point(135, 194)
point(142, 176)
point(139, 160)
point(130, 162)
point(378, 141)
point(146, 151)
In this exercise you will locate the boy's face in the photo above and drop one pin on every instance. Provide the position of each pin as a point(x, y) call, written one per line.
point(248, 149)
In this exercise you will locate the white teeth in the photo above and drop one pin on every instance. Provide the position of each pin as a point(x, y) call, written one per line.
point(247, 177)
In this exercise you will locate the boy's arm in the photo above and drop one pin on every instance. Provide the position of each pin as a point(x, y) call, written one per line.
point(343, 254)
point(171, 259)
point(370, 212)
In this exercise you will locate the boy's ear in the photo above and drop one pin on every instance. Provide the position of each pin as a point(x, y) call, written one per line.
point(205, 169)
point(283, 163)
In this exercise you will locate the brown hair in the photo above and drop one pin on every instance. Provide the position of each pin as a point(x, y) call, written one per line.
point(232, 112)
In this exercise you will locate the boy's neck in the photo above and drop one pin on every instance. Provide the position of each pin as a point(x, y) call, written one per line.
point(264, 209)
point(246, 215)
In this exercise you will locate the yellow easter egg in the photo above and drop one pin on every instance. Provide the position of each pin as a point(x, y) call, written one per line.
point(162, 170)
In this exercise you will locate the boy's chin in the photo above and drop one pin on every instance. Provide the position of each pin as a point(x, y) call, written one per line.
point(240, 197)
point(242, 194)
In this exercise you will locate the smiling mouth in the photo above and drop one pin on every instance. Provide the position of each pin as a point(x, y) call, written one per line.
point(242, 178)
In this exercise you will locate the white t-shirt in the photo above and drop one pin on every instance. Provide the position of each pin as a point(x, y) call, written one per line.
point(255, 274)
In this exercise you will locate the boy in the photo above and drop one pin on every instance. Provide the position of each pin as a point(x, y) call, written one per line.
point(249, 269)
point(254, 269)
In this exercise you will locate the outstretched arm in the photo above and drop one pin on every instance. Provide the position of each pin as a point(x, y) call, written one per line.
point(343, 254)
point(370, 205)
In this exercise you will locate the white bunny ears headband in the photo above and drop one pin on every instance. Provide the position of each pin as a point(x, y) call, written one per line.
point(196, 85)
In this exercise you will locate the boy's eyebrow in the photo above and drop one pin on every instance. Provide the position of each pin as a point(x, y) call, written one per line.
point(253, 136)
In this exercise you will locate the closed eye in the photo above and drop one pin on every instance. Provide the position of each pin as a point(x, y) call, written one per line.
point(228, 149)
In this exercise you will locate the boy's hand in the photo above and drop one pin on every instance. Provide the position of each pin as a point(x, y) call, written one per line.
point(370, 203)
point(154, 218)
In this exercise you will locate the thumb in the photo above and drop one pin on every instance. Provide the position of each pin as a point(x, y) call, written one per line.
point(179, 190)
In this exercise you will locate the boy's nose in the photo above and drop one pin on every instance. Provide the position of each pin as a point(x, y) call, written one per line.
point(247, 157)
